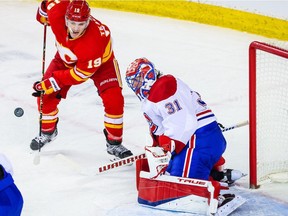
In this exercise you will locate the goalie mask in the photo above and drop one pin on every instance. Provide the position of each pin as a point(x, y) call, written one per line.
point(140, 76)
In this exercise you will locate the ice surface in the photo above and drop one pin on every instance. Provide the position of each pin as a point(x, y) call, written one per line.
point(212, 60)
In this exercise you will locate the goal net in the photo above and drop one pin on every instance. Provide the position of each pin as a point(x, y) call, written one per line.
point(268, 112)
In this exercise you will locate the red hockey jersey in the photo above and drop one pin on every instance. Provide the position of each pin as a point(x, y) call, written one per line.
point(82, 55)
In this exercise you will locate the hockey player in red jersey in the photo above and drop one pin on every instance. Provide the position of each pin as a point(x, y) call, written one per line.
point(187, 142)
point(84, 51)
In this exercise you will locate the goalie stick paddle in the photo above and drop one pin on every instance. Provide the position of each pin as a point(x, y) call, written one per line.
point(132, 159)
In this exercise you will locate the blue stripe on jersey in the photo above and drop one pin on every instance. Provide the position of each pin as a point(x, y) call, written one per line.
point(204, 117)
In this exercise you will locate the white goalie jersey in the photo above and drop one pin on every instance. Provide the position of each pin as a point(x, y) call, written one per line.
point(174, 110)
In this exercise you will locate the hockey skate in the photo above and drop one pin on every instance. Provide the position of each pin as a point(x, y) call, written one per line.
point(116, 148)
point(227, 203)
point(231, 175)
point(39, 141)
point(228, 176)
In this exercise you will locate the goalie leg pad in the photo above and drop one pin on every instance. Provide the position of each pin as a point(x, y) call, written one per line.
point(178, 194)
point(141, 165)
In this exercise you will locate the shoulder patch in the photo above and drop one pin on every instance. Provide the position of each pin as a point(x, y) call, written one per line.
point(163, 88)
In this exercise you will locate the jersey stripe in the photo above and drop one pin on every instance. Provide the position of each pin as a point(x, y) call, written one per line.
point(205, 118)
point(108, 52)
point(79, 75)
point(117, 70)
point(113, 121)
point(113, 125)
point(188, 157)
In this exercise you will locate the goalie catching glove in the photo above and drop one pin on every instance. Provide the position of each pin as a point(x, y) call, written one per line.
point(46, 86)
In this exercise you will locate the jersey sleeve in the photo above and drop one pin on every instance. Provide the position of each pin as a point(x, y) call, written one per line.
point(56, 14)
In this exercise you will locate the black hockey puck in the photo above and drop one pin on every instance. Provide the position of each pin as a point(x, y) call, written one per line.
point(18, 112)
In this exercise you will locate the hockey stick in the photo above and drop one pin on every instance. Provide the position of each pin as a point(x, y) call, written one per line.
point(36, 159)
point(241, 124)
point(119, 163)
point(131, 159)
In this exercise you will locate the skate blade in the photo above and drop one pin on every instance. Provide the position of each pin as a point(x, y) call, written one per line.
point(230, 206)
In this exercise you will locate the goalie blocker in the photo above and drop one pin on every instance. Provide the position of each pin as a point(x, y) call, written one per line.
point(182, 194)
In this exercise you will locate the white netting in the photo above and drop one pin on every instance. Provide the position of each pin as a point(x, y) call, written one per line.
point(272, 113)
point(279, 177)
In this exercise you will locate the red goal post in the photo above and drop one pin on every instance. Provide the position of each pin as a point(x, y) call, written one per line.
point(268, 111)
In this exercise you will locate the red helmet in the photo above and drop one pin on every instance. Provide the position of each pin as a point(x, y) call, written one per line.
point(78, 10)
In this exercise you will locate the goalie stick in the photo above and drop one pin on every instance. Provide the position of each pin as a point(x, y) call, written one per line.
point(119, 163)
point(132, 159)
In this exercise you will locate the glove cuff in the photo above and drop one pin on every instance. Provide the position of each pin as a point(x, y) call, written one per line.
point(50, 85)
point(166, 143)
point(170, 145)
point(43, 10)
point(42, 15)
point(54, 84)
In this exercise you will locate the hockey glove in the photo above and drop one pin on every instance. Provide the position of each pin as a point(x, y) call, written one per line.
point(41, 15)
point(170, 145)
point(158, 160)
point(166, 143)
point(46, 86)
